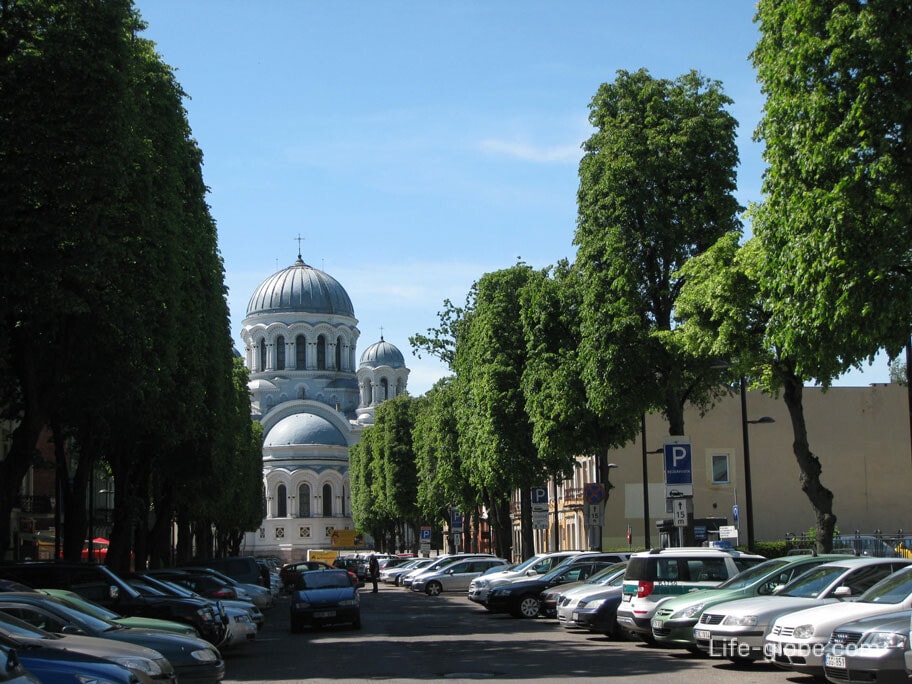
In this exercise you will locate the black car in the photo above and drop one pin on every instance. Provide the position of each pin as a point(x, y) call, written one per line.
point(99, 584)
point(325, 597)
point(522, 597)
point(193, 659)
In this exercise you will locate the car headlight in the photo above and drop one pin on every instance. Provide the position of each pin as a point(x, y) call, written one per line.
point(499, 592)
point(803, 632)
point(243, 618)
point(689, 612)
point(591, 605)
point(740, 620)
point(884, 640)
point(204, 655)
point(206, 614)
point(149, 667)
point(85, 679)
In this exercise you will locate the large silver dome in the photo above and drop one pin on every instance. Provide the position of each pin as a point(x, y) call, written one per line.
point(304, 429)
point(382, 353)
point(300, 288)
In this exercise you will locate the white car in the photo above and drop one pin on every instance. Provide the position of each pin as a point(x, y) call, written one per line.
point(439, 563)
point(797, 640)
point(540, 564)
point(455, 576)
point(734, 630)
point(392, 575)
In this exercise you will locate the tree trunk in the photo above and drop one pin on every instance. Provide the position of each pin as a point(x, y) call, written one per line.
point(527, 534)
point(820, 497)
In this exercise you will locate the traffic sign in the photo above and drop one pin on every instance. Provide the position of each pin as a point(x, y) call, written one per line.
point(594, 492)
point(426, 534)
point(595, 515)
point(679, 510)
point(678, 462)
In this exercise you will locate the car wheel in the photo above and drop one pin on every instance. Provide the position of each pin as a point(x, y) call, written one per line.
point(528, 606)
point(433, 589)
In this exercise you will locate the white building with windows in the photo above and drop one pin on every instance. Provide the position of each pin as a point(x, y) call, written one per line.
point(313, 399)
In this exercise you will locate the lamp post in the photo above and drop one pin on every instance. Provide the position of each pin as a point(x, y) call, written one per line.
point(748, 495)
point(646, 538)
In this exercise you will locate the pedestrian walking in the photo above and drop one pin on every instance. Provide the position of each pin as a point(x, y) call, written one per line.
point(373, 569)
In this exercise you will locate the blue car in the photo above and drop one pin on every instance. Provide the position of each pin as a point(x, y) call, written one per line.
point(325, 597)
point(59, 666)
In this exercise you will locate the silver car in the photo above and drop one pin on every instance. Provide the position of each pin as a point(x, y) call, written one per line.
point(456, 576)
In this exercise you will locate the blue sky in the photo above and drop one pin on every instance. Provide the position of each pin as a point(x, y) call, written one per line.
point(415, 146)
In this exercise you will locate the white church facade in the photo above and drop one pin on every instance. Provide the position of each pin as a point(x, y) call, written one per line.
point(313, 399)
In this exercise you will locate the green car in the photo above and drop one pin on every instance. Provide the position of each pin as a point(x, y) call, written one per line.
point(103, 613)
point(674, 620)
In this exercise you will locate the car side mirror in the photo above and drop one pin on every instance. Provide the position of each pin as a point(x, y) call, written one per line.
point(70, 629)
point(842, 592)
point(114, 592)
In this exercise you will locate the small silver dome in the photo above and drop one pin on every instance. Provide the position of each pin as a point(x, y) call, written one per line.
point(382, 353)
point(300, 288)
point(304, 429)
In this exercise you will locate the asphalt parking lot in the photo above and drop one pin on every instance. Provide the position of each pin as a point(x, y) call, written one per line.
point(408, 636)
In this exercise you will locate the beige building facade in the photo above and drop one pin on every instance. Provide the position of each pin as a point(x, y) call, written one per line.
point(860, 434)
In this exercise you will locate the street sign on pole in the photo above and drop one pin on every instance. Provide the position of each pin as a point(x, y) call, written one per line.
point(679, 510)
point(595, 514)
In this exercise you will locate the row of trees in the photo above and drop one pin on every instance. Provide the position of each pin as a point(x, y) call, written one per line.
point(668, 302)
point(113, 318)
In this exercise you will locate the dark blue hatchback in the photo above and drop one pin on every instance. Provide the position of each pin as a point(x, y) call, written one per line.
point(324, 597)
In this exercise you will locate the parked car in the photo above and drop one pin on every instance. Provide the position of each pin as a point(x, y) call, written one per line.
point(868, 650)
point(594, 607)
point(796, 639)
point(521, 597)
point(49, 665)
point(674, 620)
point(200, 583)
point(236, 616)
point(290, 572)
point(99, 584)
point(393, 575)
point(325, 597)
point(257, 594)
point(193, 659)
point(147, 666)
point(550, 598)
point(734, 630)
point(454, 576)
point(242, 568)
point(653, 577)
point(439, 562)
point(536, 565)
point(99, 611)
point(11, 669)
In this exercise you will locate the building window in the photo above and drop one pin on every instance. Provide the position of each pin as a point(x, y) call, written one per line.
point(262, 355)
point(280, 353)
point(281, 502)
point(300, 352)
point(265, 501)
point(720, 470)
point(384, 389)
point(327, 500)
point(338, 353)
point(304, 501)
point(321, 353)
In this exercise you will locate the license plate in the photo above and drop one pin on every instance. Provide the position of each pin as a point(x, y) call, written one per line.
point(324, 613)
point(657, 624)
point(576, 617)
point(834, 661)
point(626, 598)
point(701, 634)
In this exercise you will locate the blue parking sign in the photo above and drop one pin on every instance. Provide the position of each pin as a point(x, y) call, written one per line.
point(678, 463)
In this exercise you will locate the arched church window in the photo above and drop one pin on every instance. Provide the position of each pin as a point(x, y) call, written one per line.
point(262, 355)
point(327, 500)
point(321, 353)
point(281, 502)
point(384, 389)
point(304, 501)
point(280, 353)
point(338, 353)
point(300, 352)
point(265, 501)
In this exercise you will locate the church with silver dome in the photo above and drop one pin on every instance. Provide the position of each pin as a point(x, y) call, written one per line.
point(313, 400)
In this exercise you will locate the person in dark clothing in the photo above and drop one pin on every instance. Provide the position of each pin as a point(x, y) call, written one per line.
point(373, 570)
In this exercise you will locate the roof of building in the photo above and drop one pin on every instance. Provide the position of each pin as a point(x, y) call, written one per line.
point(300, 288)
point(382, 353)
point(304, 429)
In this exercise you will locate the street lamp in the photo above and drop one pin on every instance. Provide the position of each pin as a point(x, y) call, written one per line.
point(646, 538)
point(748, 495)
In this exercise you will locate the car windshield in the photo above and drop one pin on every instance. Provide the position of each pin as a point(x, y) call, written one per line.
point(605, 575)
point(813, 583)
point(84, 621)
point(754, 574)
point(527, 563)
point(82, 604)
point(15, 627)
point(321, 579)
point(892, 589)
